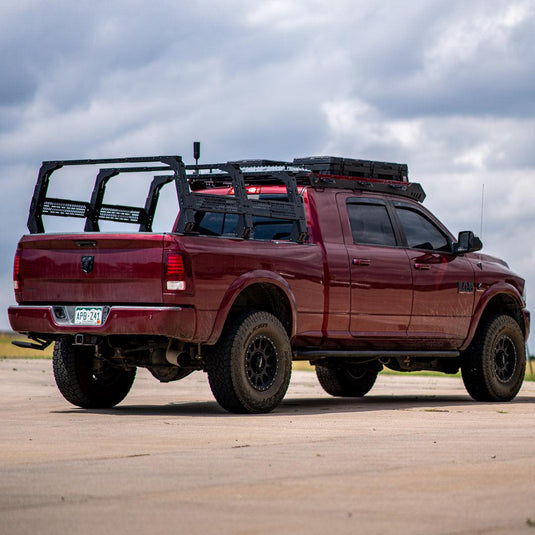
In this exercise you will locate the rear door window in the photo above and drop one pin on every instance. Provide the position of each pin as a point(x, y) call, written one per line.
point(370, 223)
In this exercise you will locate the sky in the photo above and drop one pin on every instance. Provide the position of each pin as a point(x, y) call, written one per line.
point(446, 86)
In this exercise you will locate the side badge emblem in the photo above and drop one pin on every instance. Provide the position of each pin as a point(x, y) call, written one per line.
point(87, 263)
point(465, 287)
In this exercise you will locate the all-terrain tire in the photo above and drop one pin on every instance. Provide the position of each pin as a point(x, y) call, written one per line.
point(493, 366)
point(346, 380)
point(85, 386)
point(249, 369)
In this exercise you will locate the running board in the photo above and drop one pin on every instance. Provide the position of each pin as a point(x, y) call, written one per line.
point(310, 354)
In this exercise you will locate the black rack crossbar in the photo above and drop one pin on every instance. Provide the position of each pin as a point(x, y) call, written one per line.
point(242, 164)
point(65, 208)
point(80, 209)
point(102, 161)
point(125, 214)
point(254, 172)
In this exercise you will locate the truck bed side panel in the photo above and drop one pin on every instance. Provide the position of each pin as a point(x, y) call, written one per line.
point(223, 267)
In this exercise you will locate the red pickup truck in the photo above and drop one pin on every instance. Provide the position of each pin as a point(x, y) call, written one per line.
point(329, 260)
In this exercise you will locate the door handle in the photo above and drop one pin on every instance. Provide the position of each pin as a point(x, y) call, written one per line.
point(422, 267)
point(361, 261)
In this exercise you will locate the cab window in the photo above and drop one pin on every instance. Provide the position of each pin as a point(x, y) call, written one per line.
point(370, 224)
point(420, 232)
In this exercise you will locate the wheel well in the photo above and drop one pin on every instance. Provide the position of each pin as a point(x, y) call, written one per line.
point(266, 297)
point(504, 304)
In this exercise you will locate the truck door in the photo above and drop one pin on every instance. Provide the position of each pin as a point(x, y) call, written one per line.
point(443, 282)
point(380, 273)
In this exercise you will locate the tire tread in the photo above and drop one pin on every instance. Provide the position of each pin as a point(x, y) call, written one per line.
point(476, 369)
point(222, 366)
point(75, 382)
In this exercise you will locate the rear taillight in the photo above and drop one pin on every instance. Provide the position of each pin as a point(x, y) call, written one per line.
point(16, 270)
point(175, 273)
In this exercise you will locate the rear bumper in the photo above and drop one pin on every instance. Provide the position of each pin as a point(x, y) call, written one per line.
point(174, 322)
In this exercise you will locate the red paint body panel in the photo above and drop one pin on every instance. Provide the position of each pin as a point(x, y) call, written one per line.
point(381, 292)
point(341, 294)
point(223, 267)
point(381, 285)
point(175, 322)
point(439, 309)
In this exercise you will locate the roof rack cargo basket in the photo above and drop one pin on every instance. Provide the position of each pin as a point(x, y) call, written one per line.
point(330, 165)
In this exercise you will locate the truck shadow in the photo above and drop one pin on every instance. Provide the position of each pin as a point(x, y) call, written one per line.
point(306, 406)
point(370, 403)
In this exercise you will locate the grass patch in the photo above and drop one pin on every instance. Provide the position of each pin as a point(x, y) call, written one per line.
point(302, 366)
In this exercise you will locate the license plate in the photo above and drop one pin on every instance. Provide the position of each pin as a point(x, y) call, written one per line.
point(88, 316)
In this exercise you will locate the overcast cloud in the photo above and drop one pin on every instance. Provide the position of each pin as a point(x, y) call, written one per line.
point(446, 86)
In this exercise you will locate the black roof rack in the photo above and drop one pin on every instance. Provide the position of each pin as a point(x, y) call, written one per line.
point(316, 171)
point(350, 167)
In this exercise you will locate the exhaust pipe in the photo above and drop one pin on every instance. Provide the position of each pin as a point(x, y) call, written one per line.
point(176, 355)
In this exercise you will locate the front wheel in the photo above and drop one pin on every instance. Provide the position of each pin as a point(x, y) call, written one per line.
point(249, 369)
point(494, 365)
point(85, 382)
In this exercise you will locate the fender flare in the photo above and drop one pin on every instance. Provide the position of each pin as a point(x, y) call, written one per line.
point(243, 282)
point(493, 291)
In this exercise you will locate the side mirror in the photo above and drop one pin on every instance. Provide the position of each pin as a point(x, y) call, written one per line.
point(467, 243)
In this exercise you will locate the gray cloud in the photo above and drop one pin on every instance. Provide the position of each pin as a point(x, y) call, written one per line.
point(443, 85)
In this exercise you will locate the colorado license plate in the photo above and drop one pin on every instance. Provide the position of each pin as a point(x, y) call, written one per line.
point(88, 316)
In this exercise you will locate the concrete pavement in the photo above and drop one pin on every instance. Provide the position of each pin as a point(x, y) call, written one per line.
point(415, 456)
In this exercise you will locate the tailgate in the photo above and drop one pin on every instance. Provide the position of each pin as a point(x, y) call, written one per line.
point(91, 268)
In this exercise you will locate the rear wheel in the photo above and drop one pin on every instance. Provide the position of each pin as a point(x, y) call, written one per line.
point(249, 370)
point(88, 383)
point(346, 380)
point(494, 365)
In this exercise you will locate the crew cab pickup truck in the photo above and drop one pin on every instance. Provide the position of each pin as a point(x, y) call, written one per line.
point(329, 260)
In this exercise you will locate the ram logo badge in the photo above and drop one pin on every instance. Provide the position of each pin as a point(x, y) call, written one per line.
point(87, 263)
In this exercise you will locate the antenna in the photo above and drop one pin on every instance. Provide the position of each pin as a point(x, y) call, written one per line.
point(482, 207)
point(480, 263)
point(196, 151)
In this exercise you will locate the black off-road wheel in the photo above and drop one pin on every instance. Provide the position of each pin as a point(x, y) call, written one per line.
point(494, 365)
point(346, 380)
point(249, 369)
point(85, 383)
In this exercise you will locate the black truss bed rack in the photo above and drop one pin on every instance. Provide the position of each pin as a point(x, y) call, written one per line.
point(238, 175)
point(317, 172)
point(95, 209)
